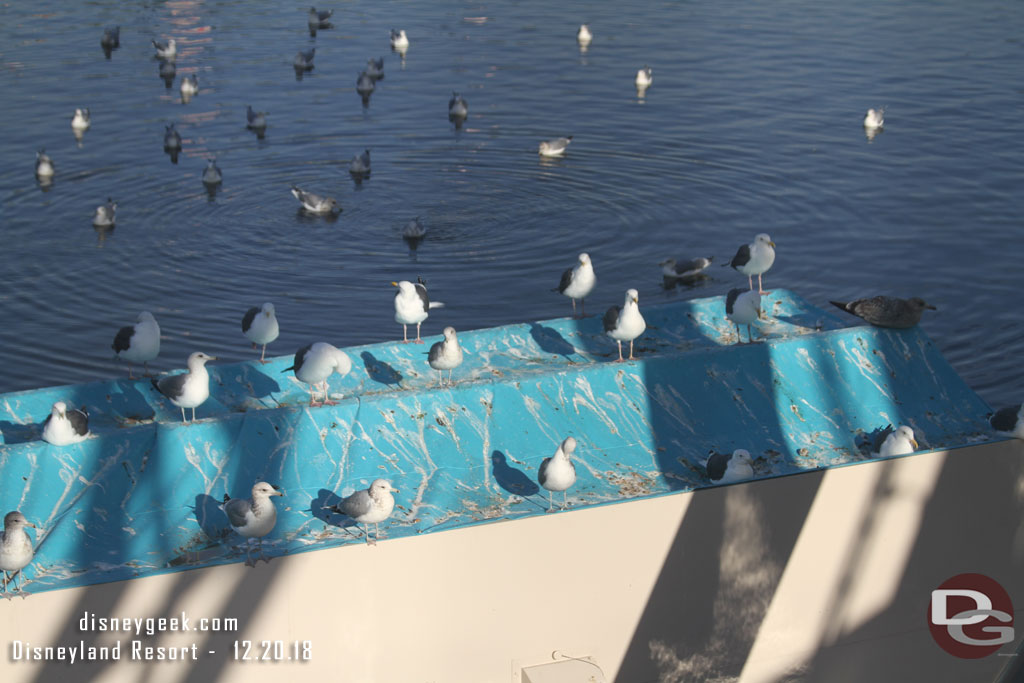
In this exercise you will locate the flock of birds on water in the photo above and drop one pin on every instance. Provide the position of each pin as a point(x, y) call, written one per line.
point(314, 364)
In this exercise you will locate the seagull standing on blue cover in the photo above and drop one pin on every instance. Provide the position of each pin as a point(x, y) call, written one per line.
point(445, 355)
point(723, 468)
point(315, 363)
point(188, 389)
point(558, 473)
point(578, 282)
point(626, 323)
point(63, 427)
point(412, 306)
point(1009, 421)
point(743, 307)
point(260, 326)
point(253, 517)
point(15, 550)
point(138, 343)
point(755, 259)
point(370, 506)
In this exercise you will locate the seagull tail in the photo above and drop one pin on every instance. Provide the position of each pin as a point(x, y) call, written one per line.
point(436, 304)
point(155, 384)
point(292, 367)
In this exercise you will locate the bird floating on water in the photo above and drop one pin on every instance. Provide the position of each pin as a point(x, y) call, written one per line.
point(685, 269)
point(1009, 421)
point(412, 305)
point(896, 442)
point(304, 59)
point(138, 343)
point(212, 174)
point(111, 39)
point(64, 426)
point(365, 85)
point(875, 118)
point(166, 50)
point(81, 120)
point(44, 165)
point(625, 323)
point(578, 282)
point(755, 259)
point(457, 106)
point(105, 214)
point(256, 120)
point(445, 355)
point(558, 473)
point(584, 36)
point(172, 139)
point(314, 203)
point(360, 164)
point(555, 147)
point(253, 517)
point(399, 41)
point(260, 326)
point(414, 230)
point(644, 78)
point(743, 307)
point(369, 506)
point(188, 389)
point(726, 468)
point(15, 551)
point(375, 68)
point(315, 363)
point(189, 86)
point(319, 19)
point(887, 311)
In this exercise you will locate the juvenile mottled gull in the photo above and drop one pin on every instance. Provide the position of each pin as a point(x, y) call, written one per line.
point(15, 550)
point(726, 468)
point(166, 50)
point(188, 389)
point(553, 148)
point(314, 203)
point(44, 164)
point(755, 259)
point(304, 59)
point(253, 517)
point(65, 426)
point(895, 442)
point(316, 362)
point(1009, 421)
point(138, 343)
point(558, 473)
point(887, 311)
point(105, 214)
point(457, 106)
point(626, 323)
point(685, 269)
point(577, 282)
point(743, 307)
point(360, 164)
point(212, 174)
point(445, 355)
point(412, 305)
point(259, 325)
point(369, 506)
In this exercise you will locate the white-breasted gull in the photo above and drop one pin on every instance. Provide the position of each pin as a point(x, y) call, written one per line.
point(319, 19)
point(625, 323)
point(887, 311)
point(189, 86)
point(726, 468)
point(212, 174)
point(445, 355)
point(44, 165)
point(105, 214)
point(743, 307)
point(81, 120)
point(360, 164)
point(399, 41)
point(255, 120)
point(578, 282)
point(584, 36)
point(369, 506)
point(644, 78)
point(138, 343)
point(900, 441)
point(190, 388)
point(554, 147)
point(64, 426)
point(314, 203)
point(755, 259)
point(875, 118)
point(166, 49)
point(558, 473)
point(315, 363)
point(457, 106)
point(412, 306)
point(253, 517)
point(259, 325)
point(15, 550)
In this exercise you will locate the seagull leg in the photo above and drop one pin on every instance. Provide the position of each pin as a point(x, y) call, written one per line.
point(130, 375)
point(193, 414)
point(440, 378)
point(760, 287)
point(573, 307)
point(327, 401)
point(631, 349)
point(418, 340)
point(565, 499)
point(750, 281)
point(583, 308)
point(450, 383)
point(405, 334)
point(145, 369)
point(551, 501)
point(183, 420)
point(620, 352)
point(263, 355)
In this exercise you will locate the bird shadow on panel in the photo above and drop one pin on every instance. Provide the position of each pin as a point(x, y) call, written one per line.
point(20, 433)
point(511, 479)
point(379, 371)
point(210, 517)
point(551, 340)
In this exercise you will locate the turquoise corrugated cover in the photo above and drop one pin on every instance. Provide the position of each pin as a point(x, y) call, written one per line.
point(141, 496)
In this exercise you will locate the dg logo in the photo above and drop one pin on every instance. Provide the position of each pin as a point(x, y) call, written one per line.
point(971, 616)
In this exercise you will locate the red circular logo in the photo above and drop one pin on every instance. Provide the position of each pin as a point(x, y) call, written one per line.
point(970, 616)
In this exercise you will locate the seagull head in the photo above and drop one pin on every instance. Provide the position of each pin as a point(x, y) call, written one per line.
point(764, 238)
point(584, 258)
point(569, 446)
point(16, 520)
point(267, 309)
point(262, 489)
point(60, 409)
point(632, 296)
point(741, 455)
point(920, 304)
point(907, 433)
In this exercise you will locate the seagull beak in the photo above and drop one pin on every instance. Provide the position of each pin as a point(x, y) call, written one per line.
point(772, 244)
point(636, 300)
point(395, 284)
point(913, 442)
point(31, 525)
point(394, 490)
point(213, 358)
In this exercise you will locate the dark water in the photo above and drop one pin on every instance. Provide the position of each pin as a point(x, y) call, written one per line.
point(753, 124)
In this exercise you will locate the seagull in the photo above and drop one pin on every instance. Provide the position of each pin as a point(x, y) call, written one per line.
point(44, 165)
point(414, 230)
point(412, 306)
point(360, 164)
point(755, 259)
point(315, 363)
point(257, 120)
point(584, 36)
point(212, 174)
point(253, 517)
point(898, 442)
point(369, 506)
point(166, 50)
point(81, 121)
point(457, 107)
point(557, 473)
point(319, 19)
point(365, 85)
point(15, 550)
point(188, 389)
point(260, 326)
point(104, 217)
point(304, 59)
point(1009, 421)
point(314, 203)
point(445, 355)
point(743, 307)
point(577, 282)
point(63, 427)
point(644, 78)
point(875, 118)
point(111, 38)
point(138, 343)
point(887, 311)
point(724, 468)
point(172, 139)
point(399, 41)
point(553, 148)
point(626, 323)
point(375, 68)
point(189, 86)
point(685, 269)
